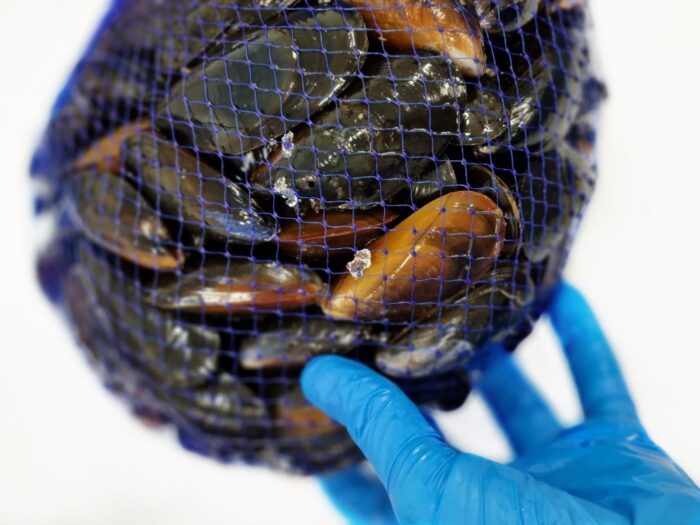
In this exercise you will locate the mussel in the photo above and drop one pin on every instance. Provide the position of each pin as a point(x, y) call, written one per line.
point(242, 287)
point(293, 341)
point(297, 418)
point(439, 25)
point(334, 234)
point(112, 214)
point(174, 352)
point(435, 253)
point(553, 193)
point(357, 154)
point(308, 440)
point(504, 15)
point(105, 153)
point(484, 115)
point(226, 406)
point(184, 187)
point(484, 180)
point(448, 339)
point(259, 87)
point(433, 182)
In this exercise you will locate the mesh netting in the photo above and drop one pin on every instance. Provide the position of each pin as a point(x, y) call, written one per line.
point(240, 185)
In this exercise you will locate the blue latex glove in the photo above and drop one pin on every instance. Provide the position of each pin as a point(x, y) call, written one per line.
point(606, 470)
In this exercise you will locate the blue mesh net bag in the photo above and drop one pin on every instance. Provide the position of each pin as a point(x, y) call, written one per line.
point(237, 186)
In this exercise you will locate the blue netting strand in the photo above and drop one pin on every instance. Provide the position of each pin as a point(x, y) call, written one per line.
point(238, 186)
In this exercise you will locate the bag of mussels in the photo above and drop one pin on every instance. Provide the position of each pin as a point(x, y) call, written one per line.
point(237, 186)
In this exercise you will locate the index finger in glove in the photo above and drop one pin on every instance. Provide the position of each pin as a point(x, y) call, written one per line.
point(597, 375)
point(390, 430)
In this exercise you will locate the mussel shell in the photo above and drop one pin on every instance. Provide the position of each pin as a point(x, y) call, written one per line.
point(293, 341)
point(552, 195)
point(504, 15)
point(433, 182)
point(334, 234)
point(484, 116)
point(117, 82)
point(358, 153)
point(450, 338)
point(443, 27)
point(225, 406)
point(266, 82)
point(482, 179)
point(185, 188)
point(241, 287)
point(169, 350)
point(112, 214)
point(432, 255)
point(194, 26)
point(307, 439)
point(105, 153)
point(93, 330)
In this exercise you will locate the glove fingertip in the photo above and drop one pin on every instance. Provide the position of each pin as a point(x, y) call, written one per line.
point(323, 376)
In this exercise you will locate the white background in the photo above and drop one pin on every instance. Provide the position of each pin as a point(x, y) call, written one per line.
point(70, 454)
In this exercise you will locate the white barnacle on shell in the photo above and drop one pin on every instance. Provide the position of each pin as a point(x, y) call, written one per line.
point(282, 189)
point(361, 261)
point(287, 144)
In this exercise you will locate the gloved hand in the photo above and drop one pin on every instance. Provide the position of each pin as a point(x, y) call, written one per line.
point(606, 470)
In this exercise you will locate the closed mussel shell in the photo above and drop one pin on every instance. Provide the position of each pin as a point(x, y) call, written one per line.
point(242, 287)
point(552, 196)
point(333, 234)
point(441, 26)
point(224, 406)
point(397, 118)
point(194, 26)
point(185, 188)
point(263, 83)
point(435, 180)
point(105, 153)
point(307, 439)
point(546, 96)
point(167, 349)
point(432, 255)
point(451, 337)
point(504, 15)
point(112, 214)
point(293, 341)
point(484, 115)
point(93, 329)
point(96, 335)
point(483, 179)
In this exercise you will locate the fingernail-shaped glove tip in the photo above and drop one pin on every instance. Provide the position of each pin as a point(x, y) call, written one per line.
point(321, 376)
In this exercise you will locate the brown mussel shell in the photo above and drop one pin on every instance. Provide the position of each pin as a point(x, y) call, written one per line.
point(483, 180)
point(294, 341)
point(333, 234)
point(242, 287)
point(451, 337)
point(112, 214)
point(184, 187)
point(433, 254)
point(105, 154)
point(440, 26)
